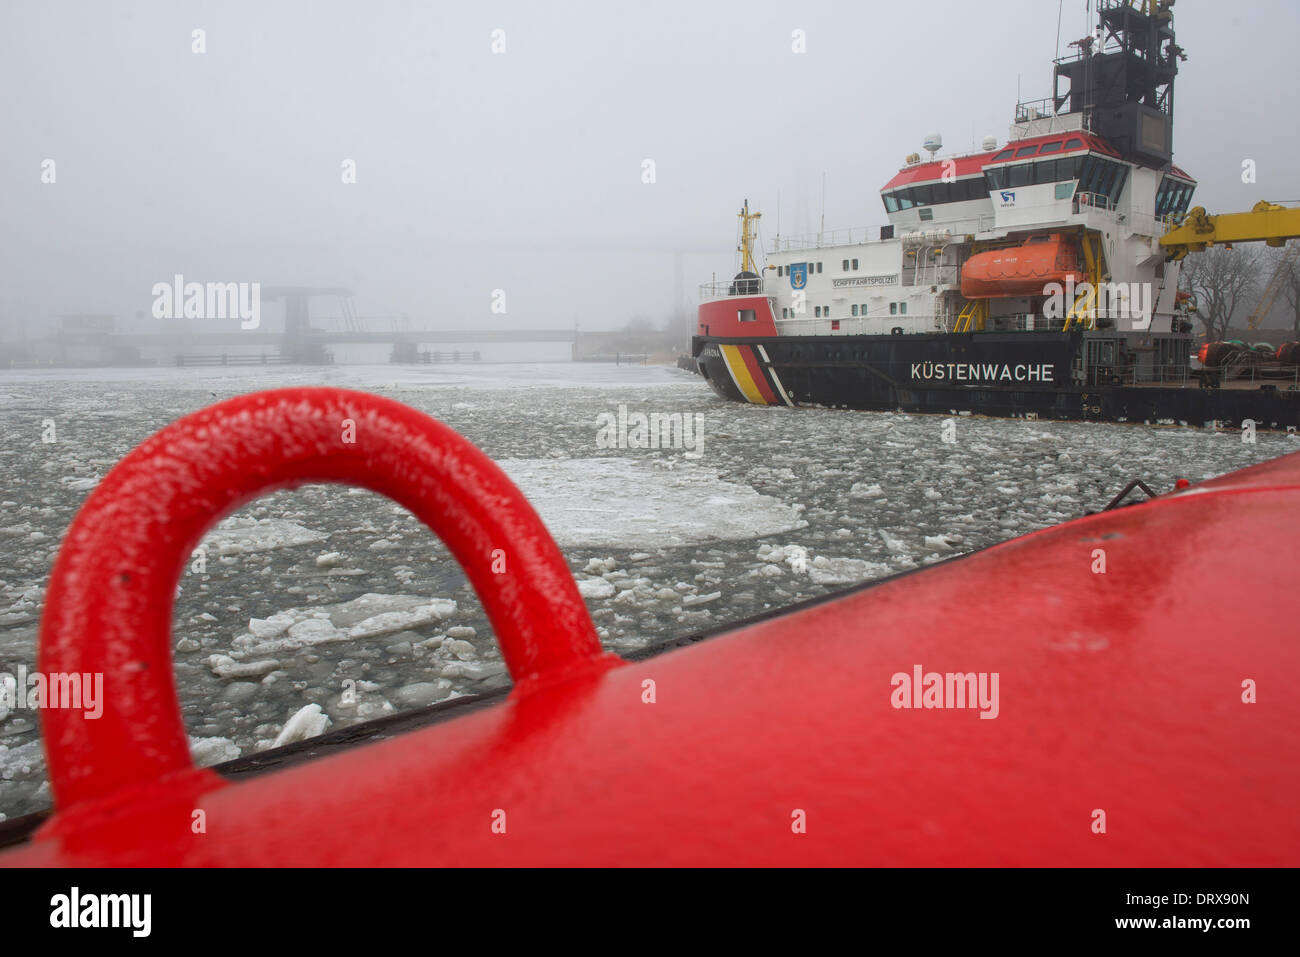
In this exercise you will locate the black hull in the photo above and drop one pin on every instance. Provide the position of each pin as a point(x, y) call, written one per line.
point(1016, 375)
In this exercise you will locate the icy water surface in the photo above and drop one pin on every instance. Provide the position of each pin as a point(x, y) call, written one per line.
point(327, 606)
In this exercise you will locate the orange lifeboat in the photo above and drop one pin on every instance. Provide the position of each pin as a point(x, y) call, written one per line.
point(1021, 270)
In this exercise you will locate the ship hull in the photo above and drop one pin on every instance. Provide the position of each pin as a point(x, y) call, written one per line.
point(1010, 375)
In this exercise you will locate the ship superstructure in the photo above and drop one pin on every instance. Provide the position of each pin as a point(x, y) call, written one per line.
point(1034, 264)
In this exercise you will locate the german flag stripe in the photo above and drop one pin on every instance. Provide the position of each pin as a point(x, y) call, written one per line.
point(741, 375)
point(756, 373)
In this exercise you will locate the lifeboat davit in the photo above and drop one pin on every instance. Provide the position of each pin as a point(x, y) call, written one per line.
point(1022, 270)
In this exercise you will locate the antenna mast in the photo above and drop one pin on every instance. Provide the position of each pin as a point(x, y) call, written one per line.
point(822, 228)
point(746, 247)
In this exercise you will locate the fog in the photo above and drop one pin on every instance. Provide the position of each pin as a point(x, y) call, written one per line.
point(522, 170)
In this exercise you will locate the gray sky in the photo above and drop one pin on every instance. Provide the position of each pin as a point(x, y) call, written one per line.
point(522, 170)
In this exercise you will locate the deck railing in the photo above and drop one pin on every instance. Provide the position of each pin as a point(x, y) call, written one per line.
point(855, 325)
point(851, 236)
point(724, 288)
point(1185, 374)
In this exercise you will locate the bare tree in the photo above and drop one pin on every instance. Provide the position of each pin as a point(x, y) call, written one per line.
point(1223, 280)
point(1290, 291)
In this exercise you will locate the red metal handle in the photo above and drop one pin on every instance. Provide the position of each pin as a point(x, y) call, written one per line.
point(109, 605)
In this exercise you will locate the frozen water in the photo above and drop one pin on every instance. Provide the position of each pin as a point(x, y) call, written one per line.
point(209, 751)
point(238, 534)
point(625, 503)
point(307, 722)
point(595, 588)
point(333, 603)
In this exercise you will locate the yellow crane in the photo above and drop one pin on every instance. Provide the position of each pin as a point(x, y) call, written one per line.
point(1274, 286)
point(1267, 223)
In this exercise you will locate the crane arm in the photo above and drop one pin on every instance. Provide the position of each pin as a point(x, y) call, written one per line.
point(1267, 222)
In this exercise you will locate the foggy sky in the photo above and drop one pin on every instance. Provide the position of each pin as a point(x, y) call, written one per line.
point(523, 170)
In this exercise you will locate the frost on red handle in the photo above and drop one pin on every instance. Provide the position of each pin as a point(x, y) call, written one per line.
point(109, 605)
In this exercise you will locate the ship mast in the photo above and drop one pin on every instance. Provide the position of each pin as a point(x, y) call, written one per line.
point(747, 238)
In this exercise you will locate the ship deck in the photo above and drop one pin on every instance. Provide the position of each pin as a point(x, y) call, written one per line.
point(1235, 385)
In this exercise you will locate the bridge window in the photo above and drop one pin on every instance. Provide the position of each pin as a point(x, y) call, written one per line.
point(1050, 148)
point(1045, 172)
point(1173, 197)
point(1026, 151)
point(1021, 175)
point(1102, 177)
point(1074, 143)
point(1005, 154)
point(1090, 175)
point(936, 194)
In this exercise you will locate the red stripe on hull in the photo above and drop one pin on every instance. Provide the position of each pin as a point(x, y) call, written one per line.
point(756, 370)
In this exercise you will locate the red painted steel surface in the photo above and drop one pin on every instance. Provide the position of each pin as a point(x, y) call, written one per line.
point(1118, 692)
point(933, 171)
point(720, 318)
point(109, 605)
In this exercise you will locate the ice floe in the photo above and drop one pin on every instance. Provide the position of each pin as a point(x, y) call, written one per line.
point(629, 503)
point(369, 616)
point(307, 722)
point(239, 534)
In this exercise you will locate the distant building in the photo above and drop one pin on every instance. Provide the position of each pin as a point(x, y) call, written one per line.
point(87, 323)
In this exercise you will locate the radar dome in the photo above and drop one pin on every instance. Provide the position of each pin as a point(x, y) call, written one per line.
point(990, 144)
point(933, 143)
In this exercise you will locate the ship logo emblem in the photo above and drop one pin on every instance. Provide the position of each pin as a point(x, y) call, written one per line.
point(798, 275)
point(1008, 197)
